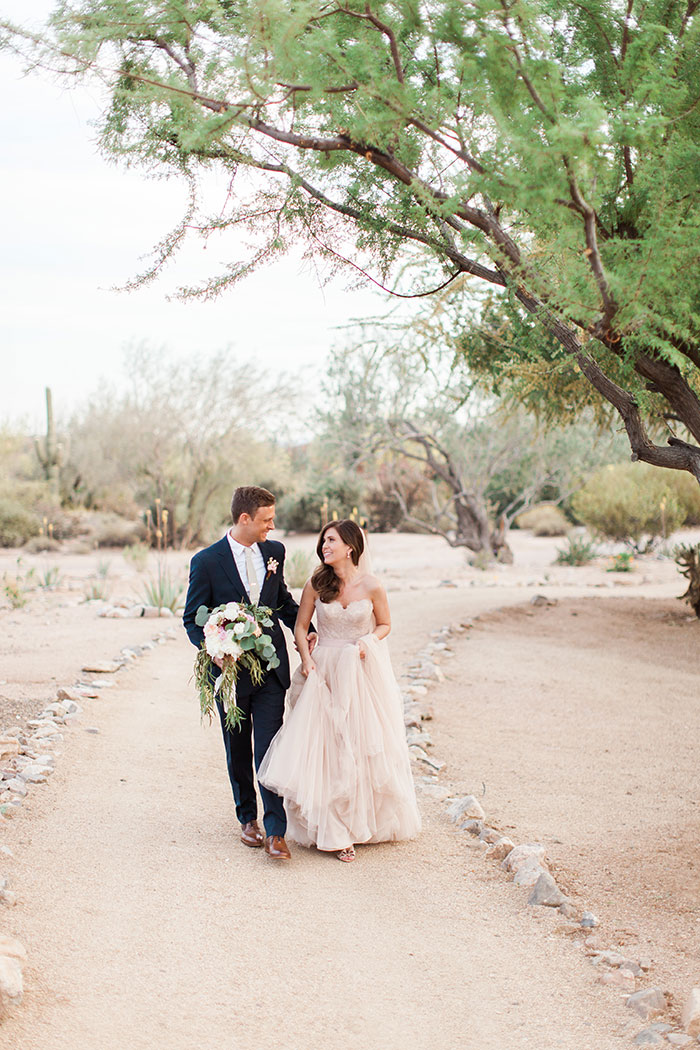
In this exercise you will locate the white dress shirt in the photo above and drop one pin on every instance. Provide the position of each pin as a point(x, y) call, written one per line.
point(238, 550)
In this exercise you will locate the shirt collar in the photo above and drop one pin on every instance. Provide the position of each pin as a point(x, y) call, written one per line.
point(240, 548)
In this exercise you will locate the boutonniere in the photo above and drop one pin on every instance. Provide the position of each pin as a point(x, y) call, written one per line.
point(272, 566)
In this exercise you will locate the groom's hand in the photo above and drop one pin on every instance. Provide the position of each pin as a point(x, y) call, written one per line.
point(219, 661)
point(311, 640)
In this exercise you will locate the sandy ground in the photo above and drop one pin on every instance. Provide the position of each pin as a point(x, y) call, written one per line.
point(148, 923)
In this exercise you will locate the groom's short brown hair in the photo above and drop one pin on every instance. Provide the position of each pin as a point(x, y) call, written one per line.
point(247, 499)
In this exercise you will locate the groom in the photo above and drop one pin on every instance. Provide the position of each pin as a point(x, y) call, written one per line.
point(246, 566)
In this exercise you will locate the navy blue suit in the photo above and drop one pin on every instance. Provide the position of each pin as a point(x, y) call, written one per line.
point(214, 580)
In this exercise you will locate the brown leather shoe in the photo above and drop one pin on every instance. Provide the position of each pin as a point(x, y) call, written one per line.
point(251, 835)
point(277, 848)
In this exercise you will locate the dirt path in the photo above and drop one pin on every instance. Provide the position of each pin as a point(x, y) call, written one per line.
point(148, 924)
point(579, 723)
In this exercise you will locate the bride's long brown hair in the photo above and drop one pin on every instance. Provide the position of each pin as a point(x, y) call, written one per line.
point(325, 581)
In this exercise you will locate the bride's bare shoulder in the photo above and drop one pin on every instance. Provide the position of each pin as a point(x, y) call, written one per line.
point(373, 584)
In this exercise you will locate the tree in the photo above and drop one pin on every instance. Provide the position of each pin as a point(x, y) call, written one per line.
point(482, 463)
point(549, 148)
point(182, 433)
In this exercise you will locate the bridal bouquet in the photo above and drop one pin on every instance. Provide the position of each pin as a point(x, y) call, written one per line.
point(234, 634)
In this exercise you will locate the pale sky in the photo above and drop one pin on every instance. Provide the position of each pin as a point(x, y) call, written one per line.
point(74, 226)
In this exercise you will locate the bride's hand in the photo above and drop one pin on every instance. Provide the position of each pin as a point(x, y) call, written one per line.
point(363, 649)
point(307, 667)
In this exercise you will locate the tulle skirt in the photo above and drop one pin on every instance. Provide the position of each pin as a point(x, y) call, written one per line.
point(340, 761)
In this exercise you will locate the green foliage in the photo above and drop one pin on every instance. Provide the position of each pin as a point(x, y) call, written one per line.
point(162, 589)
point(578, 551)
point(318, 498)
point(549, 150)
point(16, 586)
point(544, 520)
point(17, 525)
point(622, 562)
point(298, 567)
point(51, 578)
point(687, 491)
point(630, 503)
point(96, 590)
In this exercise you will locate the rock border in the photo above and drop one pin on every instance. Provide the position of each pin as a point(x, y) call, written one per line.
point(27, 758)
point(526, 863)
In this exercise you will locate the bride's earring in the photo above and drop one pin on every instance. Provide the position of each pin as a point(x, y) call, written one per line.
point(348, 554)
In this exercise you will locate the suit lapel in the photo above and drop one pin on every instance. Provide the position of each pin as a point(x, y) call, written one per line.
point(229, 566)
point(269, 577)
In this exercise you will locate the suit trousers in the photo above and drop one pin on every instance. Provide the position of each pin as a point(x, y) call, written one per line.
point(264, 710)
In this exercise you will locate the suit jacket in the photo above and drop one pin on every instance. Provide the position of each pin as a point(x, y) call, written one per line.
point(214, 580)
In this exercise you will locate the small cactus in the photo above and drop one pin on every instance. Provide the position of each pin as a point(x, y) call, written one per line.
point(50, 453)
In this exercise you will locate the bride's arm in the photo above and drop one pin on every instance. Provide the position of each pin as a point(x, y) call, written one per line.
point(301, 627)
point(382, 616)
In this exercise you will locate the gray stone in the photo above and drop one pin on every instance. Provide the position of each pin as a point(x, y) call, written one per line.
point(16, 786)
point(546, 892)
point(472, 826)
point(679, 1039)
point(467, 806)
point(618, 979)
point(608, 958)
point(589, 920)
point(436, 791)
point(490, 835)
point(102, 667)
point(648, 1037)
point(11, 986)
point(35, 774)
point(523, 853)
point(690, 1018)
point(500, 849)
point(647, 1002)
point(528, 872)
point(91, 729)
point(568, 910)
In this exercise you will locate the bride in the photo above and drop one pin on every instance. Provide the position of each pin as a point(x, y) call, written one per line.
point(340, 760)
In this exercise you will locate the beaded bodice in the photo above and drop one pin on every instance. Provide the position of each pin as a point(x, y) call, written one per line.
point(336, 623)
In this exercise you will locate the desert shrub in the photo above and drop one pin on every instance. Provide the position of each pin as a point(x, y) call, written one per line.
point(631, 503)
point(17, 525)
point(40, 544)
point(110, 530)
point(687, 491)
point(622, 562)
point(545, 520)
point(578, 551)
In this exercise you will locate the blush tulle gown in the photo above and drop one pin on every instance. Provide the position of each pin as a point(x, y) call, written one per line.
point(340, 761)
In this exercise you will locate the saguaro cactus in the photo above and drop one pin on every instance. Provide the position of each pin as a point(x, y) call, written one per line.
point(51, 455)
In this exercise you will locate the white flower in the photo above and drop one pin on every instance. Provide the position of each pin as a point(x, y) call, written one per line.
point(272, 565)
point(232, 610)
point(239, 629)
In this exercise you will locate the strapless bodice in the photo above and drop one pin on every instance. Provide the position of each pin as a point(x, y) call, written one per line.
point(337, 624)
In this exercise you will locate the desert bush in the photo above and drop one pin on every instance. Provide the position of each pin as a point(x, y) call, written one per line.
point(298, 567)
point(546, 519)
point(631, 503)
point(40, 544)
point(578, 551)
point(687, 558)
point(109, 530)
point(17, 525)
point(687, 491)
